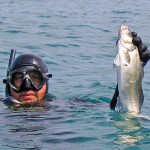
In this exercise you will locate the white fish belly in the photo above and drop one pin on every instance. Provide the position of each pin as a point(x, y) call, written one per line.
point(129, 78)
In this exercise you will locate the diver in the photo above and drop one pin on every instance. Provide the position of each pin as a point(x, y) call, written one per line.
point(144, 54)
point(26, 80)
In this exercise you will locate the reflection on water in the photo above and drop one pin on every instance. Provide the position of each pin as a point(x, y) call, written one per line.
point(71, 125)
point(130, 130)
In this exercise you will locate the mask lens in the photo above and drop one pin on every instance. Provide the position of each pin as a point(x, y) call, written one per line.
point(17, 79)
point(36, 78)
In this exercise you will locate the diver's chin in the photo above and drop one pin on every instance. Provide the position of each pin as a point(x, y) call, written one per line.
point(27, 99)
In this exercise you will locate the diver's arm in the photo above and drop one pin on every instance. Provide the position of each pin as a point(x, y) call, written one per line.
point(114, 98)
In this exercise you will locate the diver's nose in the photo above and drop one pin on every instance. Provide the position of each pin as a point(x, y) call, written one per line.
point(27, 84)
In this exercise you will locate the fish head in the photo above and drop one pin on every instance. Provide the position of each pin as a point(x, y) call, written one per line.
point(125, 34)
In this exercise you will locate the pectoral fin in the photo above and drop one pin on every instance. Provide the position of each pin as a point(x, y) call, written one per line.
point(117, 61)
point(122, 58)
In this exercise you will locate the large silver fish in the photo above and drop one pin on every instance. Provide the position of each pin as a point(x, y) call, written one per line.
point(129, 73)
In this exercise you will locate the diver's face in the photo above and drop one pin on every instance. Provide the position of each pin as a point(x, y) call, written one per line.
point(29, 96)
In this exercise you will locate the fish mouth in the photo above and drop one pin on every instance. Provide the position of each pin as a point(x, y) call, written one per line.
point(124, 27)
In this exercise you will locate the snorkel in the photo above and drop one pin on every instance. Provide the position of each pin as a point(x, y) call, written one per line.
point(11, 59)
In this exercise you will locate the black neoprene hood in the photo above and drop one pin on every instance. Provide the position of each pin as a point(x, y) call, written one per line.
point(29, 60)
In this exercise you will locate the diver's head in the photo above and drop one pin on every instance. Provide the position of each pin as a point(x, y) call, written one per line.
point(27, 73)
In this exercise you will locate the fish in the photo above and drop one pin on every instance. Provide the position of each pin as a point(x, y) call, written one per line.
point(129, 73)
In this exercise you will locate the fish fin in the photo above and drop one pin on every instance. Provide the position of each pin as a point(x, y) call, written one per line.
point(117, 61)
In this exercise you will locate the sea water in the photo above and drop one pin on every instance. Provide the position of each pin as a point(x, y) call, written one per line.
point(76, 38)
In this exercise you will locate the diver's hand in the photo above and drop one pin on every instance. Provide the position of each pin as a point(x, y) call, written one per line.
point(143, 49)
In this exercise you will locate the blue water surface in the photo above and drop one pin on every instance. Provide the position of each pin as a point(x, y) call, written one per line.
point(76, 38)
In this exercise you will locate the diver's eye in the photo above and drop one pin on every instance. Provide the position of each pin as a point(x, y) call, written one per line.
point(16, 79)
point(36, 77)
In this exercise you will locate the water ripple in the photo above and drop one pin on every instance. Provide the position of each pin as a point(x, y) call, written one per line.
point(77, 41)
